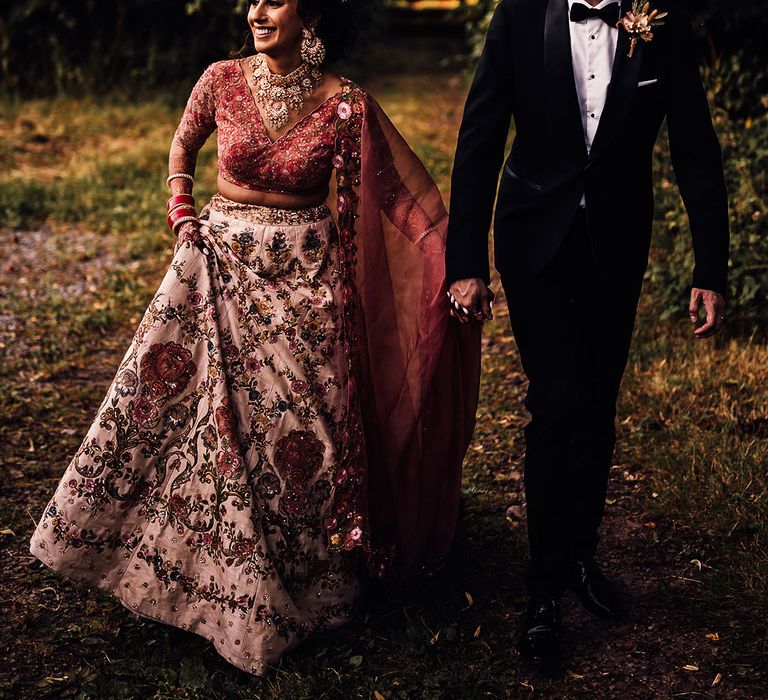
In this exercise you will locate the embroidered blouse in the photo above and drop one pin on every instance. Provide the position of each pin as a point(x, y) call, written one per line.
point(299, 161)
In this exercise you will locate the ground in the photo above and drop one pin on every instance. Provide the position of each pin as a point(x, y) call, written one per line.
point(685, 518)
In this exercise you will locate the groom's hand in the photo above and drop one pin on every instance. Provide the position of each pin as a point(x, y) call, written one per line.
point(714, 305)
point(473, 295)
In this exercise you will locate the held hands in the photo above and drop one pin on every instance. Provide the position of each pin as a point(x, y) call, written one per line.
point(714, 305)
point(471, 300)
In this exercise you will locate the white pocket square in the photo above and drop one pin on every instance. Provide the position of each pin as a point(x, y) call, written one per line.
point(643, 83)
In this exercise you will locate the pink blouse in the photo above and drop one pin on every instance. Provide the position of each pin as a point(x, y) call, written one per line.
point(299, 161)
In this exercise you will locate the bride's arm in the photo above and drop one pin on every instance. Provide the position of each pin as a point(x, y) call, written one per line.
point(197, 123)
point(405, 191)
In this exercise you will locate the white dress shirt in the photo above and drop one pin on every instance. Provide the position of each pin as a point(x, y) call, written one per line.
point(593, 47)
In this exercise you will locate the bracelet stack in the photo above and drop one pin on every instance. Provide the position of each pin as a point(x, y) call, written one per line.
point(180, 207)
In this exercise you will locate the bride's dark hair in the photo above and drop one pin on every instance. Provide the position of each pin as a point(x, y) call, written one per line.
point(336, 26)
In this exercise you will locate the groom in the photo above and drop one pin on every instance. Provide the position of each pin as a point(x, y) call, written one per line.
point(571, 240)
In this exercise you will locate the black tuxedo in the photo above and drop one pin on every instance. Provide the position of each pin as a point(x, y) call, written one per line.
point(573, 276)
point(526, 71)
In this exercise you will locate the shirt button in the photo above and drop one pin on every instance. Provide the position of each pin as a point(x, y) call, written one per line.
point(592, 36)
point(592, 77)
point(592, 115)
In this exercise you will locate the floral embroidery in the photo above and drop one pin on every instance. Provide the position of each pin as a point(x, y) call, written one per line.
point(299, 454)
point(346, 523)
point(166, 370)
point(205, 479)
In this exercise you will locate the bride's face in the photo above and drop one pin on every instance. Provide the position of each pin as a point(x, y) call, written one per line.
point(276, 26)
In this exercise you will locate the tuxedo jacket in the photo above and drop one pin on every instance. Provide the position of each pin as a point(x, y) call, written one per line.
point(526, 73)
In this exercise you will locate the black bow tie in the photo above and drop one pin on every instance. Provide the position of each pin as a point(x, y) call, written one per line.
point(609, 14)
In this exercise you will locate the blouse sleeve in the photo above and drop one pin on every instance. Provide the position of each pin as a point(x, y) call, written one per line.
point(199, 119)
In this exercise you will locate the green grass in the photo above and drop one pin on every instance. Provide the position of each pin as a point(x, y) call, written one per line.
point(89, 176)
point(93, 163)
point(696, 417)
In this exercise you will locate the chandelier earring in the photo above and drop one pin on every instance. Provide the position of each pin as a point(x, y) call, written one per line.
point(312, 48)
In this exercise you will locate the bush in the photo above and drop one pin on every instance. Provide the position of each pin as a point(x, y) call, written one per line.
point(57, 46)
point(745, 155)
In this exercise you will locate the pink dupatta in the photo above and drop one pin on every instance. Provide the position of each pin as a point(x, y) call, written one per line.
point(413, 371)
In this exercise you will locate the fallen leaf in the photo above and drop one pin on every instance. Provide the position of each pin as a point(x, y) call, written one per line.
point(8, 531)
point(690, 667)
point(718, 678)
point(714, 636)
point(477, 632)
point(355, 661)
point(377, 695)
point(470, 600)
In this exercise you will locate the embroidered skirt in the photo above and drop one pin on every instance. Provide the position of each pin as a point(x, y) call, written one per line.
point(198, 495)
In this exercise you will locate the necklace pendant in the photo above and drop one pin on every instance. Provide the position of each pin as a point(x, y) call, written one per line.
point(277, 115)
point(279, 95)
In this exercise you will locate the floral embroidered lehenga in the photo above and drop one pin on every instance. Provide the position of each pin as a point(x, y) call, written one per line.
point(295, 404)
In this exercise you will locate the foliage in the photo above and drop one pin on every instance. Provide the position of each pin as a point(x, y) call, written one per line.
point(745, 157)
point(733, 33)
point(55, 46)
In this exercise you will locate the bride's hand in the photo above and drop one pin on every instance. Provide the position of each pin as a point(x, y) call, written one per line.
point(471, 300)
point(188, 231)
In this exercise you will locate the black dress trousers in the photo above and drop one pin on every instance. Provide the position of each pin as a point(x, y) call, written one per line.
point(573, 325)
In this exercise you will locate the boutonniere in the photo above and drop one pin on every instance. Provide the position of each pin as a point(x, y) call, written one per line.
point(639, 23)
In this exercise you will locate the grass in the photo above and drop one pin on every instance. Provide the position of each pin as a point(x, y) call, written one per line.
point(696, 416)
point(82, 199)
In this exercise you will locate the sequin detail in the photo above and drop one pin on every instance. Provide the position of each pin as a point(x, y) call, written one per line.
point(269, 216)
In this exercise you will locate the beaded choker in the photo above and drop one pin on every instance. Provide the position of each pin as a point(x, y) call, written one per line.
point(281, 94)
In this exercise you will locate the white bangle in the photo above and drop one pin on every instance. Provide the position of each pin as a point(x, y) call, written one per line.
point(182, 220)
point(184, 175)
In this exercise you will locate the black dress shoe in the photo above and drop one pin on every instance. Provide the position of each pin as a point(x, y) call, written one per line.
point(539, 641)
point(597, 593)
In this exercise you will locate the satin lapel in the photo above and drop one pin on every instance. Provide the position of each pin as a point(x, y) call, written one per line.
point(621, 89)
point(561, 85)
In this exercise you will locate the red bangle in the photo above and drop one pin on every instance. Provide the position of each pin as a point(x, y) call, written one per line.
point(187, 207)
point(177, 214)
point(179, 199)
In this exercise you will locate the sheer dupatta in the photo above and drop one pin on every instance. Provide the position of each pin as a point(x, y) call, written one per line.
point(413, 371)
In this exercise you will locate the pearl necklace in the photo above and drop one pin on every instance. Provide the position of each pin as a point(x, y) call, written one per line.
point(279, 94)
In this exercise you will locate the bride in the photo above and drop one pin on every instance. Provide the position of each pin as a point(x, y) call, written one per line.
point(295, 405)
